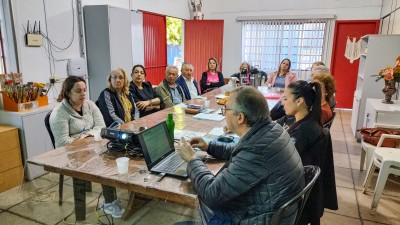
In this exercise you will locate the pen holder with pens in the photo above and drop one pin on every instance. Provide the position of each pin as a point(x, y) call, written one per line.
point(11, 105)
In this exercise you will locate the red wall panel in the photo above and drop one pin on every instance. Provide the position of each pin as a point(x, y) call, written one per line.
point(203, 40)
point(155, 47)
point(344, 72)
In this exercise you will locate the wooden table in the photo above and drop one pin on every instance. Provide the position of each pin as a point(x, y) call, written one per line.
point(87, 160)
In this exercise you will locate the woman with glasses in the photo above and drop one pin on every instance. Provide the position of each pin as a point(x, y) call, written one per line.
point(147, 99)
point(116, 103)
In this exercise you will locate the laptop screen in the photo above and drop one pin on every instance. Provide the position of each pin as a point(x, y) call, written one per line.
point(156, 143)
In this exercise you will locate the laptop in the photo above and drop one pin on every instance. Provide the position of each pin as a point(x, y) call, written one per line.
point(159, 152)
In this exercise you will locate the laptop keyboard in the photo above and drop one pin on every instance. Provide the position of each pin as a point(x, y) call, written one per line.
point(171, 164)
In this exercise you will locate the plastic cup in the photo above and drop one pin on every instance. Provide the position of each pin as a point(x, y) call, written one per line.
point(122, 165)
point(206, 103)
point(97, 135)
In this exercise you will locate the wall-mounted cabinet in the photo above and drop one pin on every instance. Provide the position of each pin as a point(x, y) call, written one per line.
point(377, 52)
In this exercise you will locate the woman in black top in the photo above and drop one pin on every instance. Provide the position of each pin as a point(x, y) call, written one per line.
point(146, 98)
point(116, 103)
point(302, 104)
point(211, 78)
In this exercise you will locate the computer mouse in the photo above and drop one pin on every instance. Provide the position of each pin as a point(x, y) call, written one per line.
point(227, 139)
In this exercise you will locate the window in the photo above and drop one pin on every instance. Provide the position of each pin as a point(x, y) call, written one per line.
point(265, 43)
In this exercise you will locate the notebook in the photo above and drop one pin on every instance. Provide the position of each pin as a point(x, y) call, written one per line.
point(159, 152)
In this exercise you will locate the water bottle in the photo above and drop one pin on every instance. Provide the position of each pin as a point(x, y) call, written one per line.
point(170, 125)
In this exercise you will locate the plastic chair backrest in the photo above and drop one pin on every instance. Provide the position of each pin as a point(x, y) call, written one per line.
point(329, 123)
point(47, 124)
point(311, 174)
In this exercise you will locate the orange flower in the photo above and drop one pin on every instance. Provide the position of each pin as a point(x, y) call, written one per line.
point(390, 73)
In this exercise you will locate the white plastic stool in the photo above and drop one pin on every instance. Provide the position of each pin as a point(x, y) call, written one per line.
point(388, 160)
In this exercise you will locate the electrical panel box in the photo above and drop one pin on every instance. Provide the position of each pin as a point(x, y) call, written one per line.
point(33, 40)
point(76, 67)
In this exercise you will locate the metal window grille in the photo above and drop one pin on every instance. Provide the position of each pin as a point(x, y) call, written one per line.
point(265, 43)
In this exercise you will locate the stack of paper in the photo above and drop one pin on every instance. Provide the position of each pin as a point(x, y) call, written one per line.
point(213, 116)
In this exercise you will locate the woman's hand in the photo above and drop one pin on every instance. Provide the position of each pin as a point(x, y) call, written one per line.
point(198, 142)
point(185, 150)
point(142, 104)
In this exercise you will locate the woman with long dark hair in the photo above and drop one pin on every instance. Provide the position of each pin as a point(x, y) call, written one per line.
point(282, 77)
point(146, 98)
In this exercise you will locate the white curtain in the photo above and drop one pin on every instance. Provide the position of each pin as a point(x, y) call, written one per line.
point(265, 43)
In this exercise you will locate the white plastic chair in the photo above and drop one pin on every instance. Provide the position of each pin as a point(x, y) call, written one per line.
point(367, 149)
point(388, 160)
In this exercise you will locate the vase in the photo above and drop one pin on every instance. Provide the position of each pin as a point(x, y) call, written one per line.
point(389, 90)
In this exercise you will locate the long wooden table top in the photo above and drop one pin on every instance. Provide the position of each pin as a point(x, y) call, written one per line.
point(90, 160)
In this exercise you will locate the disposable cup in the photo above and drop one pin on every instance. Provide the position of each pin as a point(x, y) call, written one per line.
point(206, 103)
point(122, 165)
point(97, 135)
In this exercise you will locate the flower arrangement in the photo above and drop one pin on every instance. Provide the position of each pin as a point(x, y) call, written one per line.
point(390, 73)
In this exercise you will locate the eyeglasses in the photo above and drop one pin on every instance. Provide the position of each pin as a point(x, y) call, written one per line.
point(117, 77)
point(223, 110)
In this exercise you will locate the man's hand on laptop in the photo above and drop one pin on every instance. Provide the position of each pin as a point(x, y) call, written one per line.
point(198, 142)
point(185, 150)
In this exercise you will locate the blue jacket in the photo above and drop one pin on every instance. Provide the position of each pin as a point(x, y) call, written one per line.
point(181, 81)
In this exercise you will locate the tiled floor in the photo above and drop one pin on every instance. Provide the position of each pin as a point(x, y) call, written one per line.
point(36, 202)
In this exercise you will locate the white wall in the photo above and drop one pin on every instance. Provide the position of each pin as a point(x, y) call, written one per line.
point(229, 10)
point(390, 24)
point(34, 62)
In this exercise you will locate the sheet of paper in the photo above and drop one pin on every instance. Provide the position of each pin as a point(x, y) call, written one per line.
point(211, 116)
point(178, 134)
point(217, 131)
point(220, 96)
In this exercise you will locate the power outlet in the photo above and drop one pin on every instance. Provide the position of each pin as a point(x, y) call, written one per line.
point(33, 40)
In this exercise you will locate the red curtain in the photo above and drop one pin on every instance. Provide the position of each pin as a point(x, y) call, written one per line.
point(155, 47)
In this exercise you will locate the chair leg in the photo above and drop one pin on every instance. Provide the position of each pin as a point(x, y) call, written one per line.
point(370, 172)
point(380, 185)
point(362, 159)
point(60, 189)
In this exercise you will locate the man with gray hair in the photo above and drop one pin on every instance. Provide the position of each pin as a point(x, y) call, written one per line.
point(187, 82)
point(262, 172)
point(170, 92)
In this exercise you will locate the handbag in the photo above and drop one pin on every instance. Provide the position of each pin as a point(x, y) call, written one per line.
point(372, 136)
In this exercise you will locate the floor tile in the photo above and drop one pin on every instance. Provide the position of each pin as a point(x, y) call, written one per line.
point(334, 219)
point(354, 161)
point(9, 218)
point(339, 146)
point(346, 200)
point(388, 208)
point(343, 177)
point(353, 148)
point(44, 207)
point(341, 160)
point(25, 191)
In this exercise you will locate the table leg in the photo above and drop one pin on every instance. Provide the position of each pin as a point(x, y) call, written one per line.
point(80, 198)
